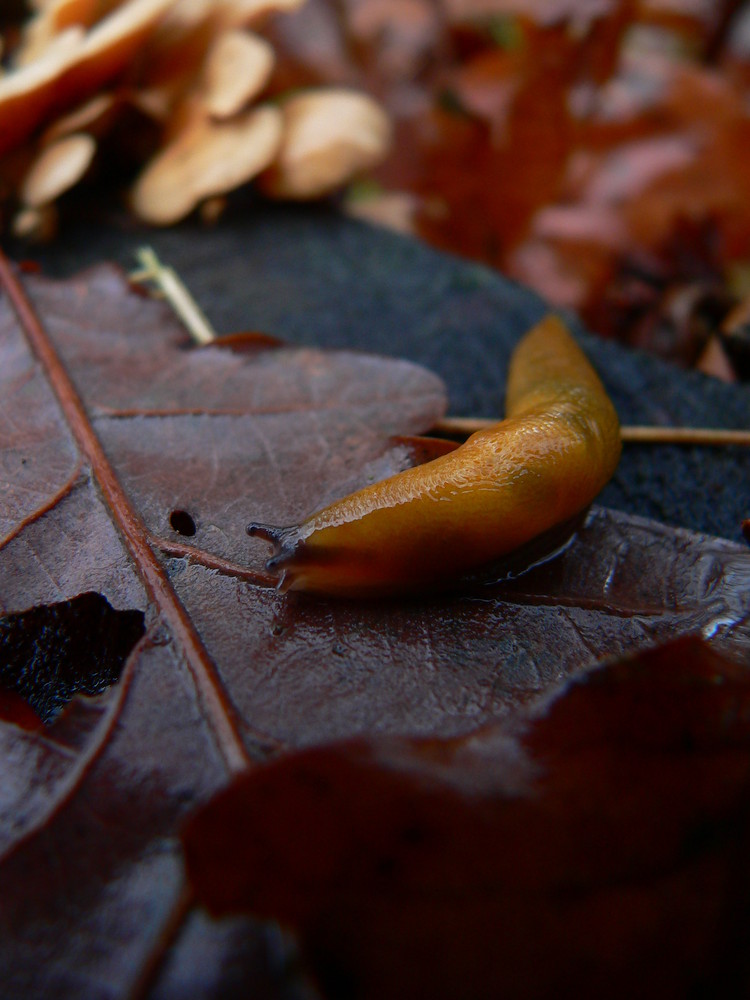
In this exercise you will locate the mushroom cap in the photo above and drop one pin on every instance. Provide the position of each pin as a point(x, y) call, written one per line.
point(242, 13)
point(37, 225)
point(206, 158)
point(53, 17)
point(394, 210)
point(90, 116)
point(74, 65)
point(237, 69)
point(330, 135)
point(57, 168)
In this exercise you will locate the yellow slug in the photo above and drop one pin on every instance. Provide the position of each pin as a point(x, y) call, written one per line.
point(522, 478)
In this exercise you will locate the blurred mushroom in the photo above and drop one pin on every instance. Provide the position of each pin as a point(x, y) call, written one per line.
point(53, 17)
point(91, 116)
point(184, 38)
point(73, 66)
point(393, 209)
point(206, 158)
point(713, 361)
point(237, 69)
point(212, 209)
point(37, 225)
point(329, 137)
point(246, 13)
point(186, 72)
point(58, 167)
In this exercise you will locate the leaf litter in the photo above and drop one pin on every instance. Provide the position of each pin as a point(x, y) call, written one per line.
point(592, 151)
point(230, 672)
point(594, 846)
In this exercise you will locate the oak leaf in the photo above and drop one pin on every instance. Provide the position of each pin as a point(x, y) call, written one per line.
point(132, 462)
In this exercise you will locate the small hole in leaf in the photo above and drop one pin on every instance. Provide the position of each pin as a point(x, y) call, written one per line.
point(181, 522)
point(52, 652)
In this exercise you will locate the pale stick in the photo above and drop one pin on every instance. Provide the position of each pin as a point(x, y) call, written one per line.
point(176, 294)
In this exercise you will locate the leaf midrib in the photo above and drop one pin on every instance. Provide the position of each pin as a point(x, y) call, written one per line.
point(217, 708)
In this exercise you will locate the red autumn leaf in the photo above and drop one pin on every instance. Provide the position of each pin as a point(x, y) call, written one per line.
point(596, 846)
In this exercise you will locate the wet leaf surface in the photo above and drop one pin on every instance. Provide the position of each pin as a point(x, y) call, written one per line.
point(200, 430)
point(313, 670)
point(596, 844)
point(142, 495)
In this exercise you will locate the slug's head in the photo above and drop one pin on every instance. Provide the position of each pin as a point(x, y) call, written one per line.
point(303, 559)
point(287, 543)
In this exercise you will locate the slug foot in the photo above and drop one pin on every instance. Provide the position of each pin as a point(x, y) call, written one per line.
point(542, 549)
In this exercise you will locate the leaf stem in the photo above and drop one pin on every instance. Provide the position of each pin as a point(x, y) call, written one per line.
point(201, 557)
point(175, 292)
point(630, 434)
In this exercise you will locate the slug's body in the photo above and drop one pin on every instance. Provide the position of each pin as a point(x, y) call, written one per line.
point(536, 470)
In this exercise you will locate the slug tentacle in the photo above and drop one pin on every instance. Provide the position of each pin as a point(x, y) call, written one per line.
point(509, 496)
point(285, 541)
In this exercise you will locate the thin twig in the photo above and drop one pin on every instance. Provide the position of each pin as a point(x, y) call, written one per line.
point(684, 435)
point(630, 435)
point(203, 558)
point(175, 292)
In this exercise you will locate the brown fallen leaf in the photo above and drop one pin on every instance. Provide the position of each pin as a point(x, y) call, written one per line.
point(63, 523)
point(596, 846)
point(134, 462)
